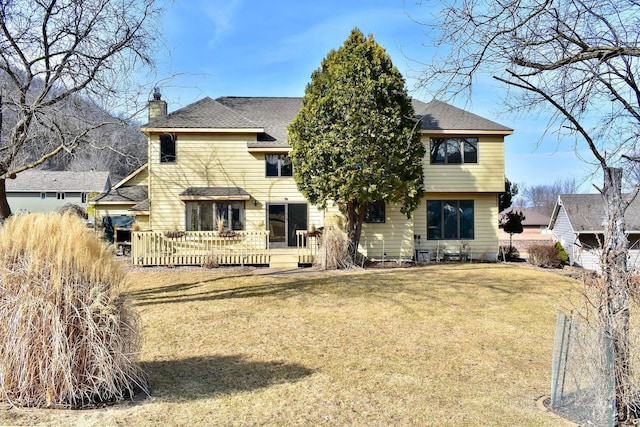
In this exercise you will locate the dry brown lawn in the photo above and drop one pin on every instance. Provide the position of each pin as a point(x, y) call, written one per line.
point(440, 345)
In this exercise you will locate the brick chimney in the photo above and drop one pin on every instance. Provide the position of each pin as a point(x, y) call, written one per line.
point(157, 107)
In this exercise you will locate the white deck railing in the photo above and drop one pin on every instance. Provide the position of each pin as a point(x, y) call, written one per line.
point(307, 246)
point(201, 247)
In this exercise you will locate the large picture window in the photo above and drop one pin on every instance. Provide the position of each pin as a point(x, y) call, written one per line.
point(204, 215)
point(278, 165)
point(450, 219)
point(454, 150)
point(167, 149)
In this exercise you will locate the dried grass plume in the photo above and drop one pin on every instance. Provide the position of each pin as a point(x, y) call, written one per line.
point(67, 337)
point(333, 253)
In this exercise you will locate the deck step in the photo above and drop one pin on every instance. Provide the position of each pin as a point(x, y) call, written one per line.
point(283, 261)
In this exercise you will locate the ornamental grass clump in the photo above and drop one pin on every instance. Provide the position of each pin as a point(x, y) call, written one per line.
point(68, 337)
point(333, 253)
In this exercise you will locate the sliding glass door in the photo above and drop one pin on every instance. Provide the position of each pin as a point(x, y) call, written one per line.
point(283, 220)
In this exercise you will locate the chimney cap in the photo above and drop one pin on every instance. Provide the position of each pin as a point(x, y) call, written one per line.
point(156, 94)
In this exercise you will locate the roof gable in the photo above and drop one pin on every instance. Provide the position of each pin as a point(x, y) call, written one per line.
point(139, 174)
point(586, 212)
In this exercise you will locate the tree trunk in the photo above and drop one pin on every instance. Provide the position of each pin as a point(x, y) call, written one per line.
point(615, 313)
point(5, 209)
point(354, 228)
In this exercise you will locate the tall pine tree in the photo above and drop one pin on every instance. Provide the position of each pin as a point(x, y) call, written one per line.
point(356, 140)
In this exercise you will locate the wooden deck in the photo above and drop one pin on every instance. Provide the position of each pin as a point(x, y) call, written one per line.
point(149, 248)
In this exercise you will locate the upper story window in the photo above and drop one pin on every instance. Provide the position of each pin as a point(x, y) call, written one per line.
point(43, 196)
point(454, 151)
point(374, 212)
point(450, 219)
point(60, 196)
point(167, 148)
point(278, 165)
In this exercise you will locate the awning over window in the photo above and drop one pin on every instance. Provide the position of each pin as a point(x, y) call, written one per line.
point(214, 193)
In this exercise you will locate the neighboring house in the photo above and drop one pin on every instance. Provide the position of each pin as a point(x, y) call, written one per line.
point(577, 223)
point(535, 229)
point(226, 160)
point(46, 191)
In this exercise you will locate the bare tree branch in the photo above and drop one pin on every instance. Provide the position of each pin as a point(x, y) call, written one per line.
point(57, 54)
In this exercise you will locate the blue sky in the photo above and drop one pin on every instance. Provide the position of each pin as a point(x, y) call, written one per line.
point(260, 48)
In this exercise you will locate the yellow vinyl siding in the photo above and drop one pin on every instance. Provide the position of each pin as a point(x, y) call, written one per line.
point(399, 237)
point(205, 160)
point(141, 178)
point(484, 245)
point(143, 222)
point(223, 160)
point(394, 237)
point(485, 176)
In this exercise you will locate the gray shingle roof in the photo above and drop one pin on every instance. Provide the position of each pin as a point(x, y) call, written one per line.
point(131, 194)
point(438, 115)
point(531, 217)
point(143, 206)
point(586, 212)
point(274, 114)
point(205, 113)
point(59, 181)
point(214, 192)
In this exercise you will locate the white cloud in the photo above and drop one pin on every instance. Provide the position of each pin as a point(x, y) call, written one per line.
point(223, 16)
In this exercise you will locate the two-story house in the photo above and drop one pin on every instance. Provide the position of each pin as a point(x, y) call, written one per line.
point(223, 164)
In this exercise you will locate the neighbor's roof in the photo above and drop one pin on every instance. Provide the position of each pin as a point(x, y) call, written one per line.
point(586, 213)
point(531, 217)
point(270, 116)
point(59, 181)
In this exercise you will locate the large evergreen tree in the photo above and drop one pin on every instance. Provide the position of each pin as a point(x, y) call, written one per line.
point(356, 140)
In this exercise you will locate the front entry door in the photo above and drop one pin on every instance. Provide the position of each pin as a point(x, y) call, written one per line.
point(283, 220)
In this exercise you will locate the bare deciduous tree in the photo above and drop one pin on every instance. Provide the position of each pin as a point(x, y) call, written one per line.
point(542, 198)
point(56, 57)
point(576, 60)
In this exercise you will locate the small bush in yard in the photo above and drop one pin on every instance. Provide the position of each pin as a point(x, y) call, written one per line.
point(508, 253)
point(67, 335)
point(547, 256)
point(563, 256)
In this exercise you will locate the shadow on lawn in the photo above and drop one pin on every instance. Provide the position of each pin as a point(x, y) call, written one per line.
point(382, 283)
point(199, 377)
point(204, 291)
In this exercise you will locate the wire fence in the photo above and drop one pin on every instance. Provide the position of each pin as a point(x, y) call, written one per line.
point(579, 374)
